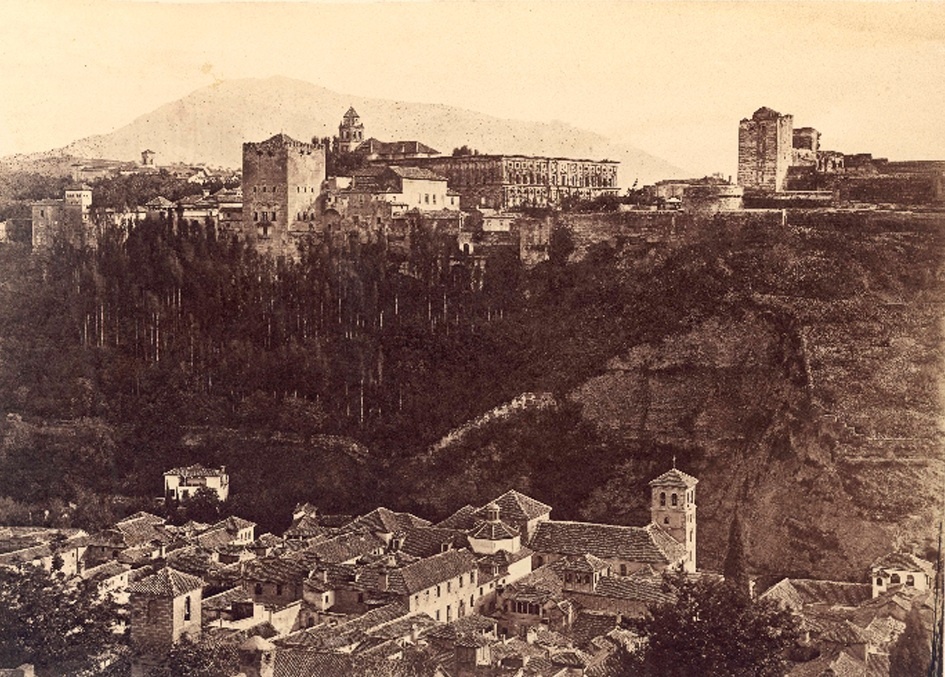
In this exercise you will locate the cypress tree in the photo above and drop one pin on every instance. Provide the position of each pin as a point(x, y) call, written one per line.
point(735, 567)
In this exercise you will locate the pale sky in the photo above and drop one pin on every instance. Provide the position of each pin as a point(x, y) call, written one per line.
point(672, 78)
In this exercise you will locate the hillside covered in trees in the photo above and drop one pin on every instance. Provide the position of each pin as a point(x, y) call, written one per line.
point(794, 371)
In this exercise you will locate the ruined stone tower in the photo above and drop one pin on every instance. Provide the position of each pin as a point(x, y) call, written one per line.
point(765, 150)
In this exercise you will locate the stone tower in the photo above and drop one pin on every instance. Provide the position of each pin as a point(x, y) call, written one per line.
point(350, 131)
point(765, 150)
point(282, 180)
point(164, 607)
point(673, 507)
point(147, 158)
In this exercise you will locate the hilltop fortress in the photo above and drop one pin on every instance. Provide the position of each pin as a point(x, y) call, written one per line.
point(778, 162)
point(288, 192)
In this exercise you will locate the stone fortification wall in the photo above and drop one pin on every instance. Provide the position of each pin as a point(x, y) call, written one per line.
point(645, 229)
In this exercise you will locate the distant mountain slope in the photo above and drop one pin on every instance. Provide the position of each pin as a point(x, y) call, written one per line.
point(210, 124)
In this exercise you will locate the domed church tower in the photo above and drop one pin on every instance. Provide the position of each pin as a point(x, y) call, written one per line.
point(350, 131)
point(673, 507)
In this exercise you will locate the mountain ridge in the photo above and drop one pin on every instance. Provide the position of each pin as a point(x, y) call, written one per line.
point(210, 124)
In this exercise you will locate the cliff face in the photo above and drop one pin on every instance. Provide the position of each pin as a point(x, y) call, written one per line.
point(811, 405)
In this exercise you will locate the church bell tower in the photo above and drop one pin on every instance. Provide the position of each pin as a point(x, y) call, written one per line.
point(350, 131)
point(673, 508)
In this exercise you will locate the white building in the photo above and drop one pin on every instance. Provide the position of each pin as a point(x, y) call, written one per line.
point(183, 483)
point(901, 568)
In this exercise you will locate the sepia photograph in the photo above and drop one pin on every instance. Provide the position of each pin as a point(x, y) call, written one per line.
point(472, 338)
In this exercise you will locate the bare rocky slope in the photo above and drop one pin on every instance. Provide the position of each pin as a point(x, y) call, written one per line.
point(210, 125)
point(808, 400)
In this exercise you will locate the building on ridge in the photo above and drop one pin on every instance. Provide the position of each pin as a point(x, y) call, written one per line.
point(765, 150)
point(66, 218)
point(182, 483)
point(282, 180)
point(511, 181)
point(350, 131)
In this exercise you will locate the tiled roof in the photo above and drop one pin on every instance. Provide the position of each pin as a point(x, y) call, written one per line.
point(571, 658)
point(674, 478)
point(542, 585)
point(280, 140)
point(313, 663)
point(591, 624)
point(225, 599)
point(167, 582)
point(428, 572)
point(903, 561)
point(493, 531)
point(474, 624)
point(193, 560)
point(383, 520)
point(516, 506)
point(641, 588)
point(160, 202)
point(287, 569)
point(416, 173)
point(195, 470)
point(305, 527)
point(137, 530)
point(799, 592)
point(346, 547)
point(373, 146)
point(428, 541)
point(845, 633)
point(463, 519)
point(648, 545)
point(349, 633)
point(105, 571)
point(582, 563)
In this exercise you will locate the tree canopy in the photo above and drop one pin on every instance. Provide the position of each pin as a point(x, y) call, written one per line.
point(912, 652)
point(711, 629)
point(61, 628)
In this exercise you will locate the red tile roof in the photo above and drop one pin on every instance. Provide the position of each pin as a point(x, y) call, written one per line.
point(647, 545)
point(516, 506)
point(167, 582)
point(431, 571)
point(674, 478)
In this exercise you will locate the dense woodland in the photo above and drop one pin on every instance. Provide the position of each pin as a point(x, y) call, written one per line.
point(328, 379)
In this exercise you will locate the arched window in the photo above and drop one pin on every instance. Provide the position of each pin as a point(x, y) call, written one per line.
point(187, 608)
point(910, 580)
point(662, 499)
point(675, 500)
point(666, 520)
point(894, 579)
point(879, 582)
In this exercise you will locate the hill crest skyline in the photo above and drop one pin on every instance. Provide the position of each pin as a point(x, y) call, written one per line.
point(210, 124)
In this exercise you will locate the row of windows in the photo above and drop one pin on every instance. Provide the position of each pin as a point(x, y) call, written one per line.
point(264, 216)
point(577, 578)
point(529, 608)
point(896, 580)
point(674, 498)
